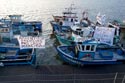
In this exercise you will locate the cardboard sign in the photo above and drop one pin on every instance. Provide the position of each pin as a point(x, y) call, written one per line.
point(31, 42)
point(104, 35)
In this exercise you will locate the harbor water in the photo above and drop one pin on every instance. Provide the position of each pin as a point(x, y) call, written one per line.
point(42, 10)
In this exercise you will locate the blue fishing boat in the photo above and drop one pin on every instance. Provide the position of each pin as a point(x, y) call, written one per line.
point(68, 31)
point(91, 53)
point(17, 24)
point(63, 40)
point(10, 28)
point(13, 25)
point(68, 18)
point(16, 56)
point(76, 33)
point(80, 31)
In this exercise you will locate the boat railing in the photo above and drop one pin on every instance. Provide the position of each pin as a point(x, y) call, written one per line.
point(71, 78)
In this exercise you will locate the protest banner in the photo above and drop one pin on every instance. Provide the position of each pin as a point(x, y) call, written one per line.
point(104, 35)
point(31, 42)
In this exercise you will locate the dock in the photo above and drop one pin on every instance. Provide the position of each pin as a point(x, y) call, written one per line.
point(63, 74)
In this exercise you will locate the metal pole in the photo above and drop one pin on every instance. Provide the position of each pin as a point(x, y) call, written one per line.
point(36, 52)
point(33, 50)
point(123, 79)
point(35, 63)
point(115, 77)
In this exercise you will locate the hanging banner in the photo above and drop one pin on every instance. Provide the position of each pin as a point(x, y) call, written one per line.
point(31, 42)
point(104, 35)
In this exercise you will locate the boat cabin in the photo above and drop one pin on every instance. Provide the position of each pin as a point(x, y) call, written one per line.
point(26, 27)
point(79, 32)
point(68, 18)
point(16, 56)
point(4, 33)
point(85, 32)
point(14, 25)
point(15, 18)
point(95, 51)
point(85, 50)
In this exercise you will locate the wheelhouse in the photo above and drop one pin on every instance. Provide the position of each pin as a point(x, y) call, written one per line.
point(85, 50)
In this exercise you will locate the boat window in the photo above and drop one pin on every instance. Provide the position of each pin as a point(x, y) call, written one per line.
point(78, 33)
point(83, 48)
point(72, 20)
point(60, 23)
point(75, 32)
point(88, 47)
point(92, 48)
point(81, 33)
point(79, 47)
point(66, 19)
point(6, 30)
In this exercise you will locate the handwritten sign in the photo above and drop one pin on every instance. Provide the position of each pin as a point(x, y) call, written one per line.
point(104, 35)
point(31, 42)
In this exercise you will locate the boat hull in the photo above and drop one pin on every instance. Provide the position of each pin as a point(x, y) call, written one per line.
point(15, 56)
point(57, 27)
point(75, 61)
point(64, 41)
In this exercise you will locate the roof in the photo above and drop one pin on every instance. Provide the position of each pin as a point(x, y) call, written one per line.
point(15, 15)
point(68, 13)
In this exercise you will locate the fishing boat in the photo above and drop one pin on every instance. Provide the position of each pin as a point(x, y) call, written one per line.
point(72, 31)
point(99, 50)
point(75, 34)
point(64, 38)
point(68, 18)
point(13, 25)
point(78, 32)
point(16, 56)
point(10, 28)
point(16, 24)
point(91, 53)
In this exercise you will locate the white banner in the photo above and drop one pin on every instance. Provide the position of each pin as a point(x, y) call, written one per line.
point(104, 35)
point(31, 42)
